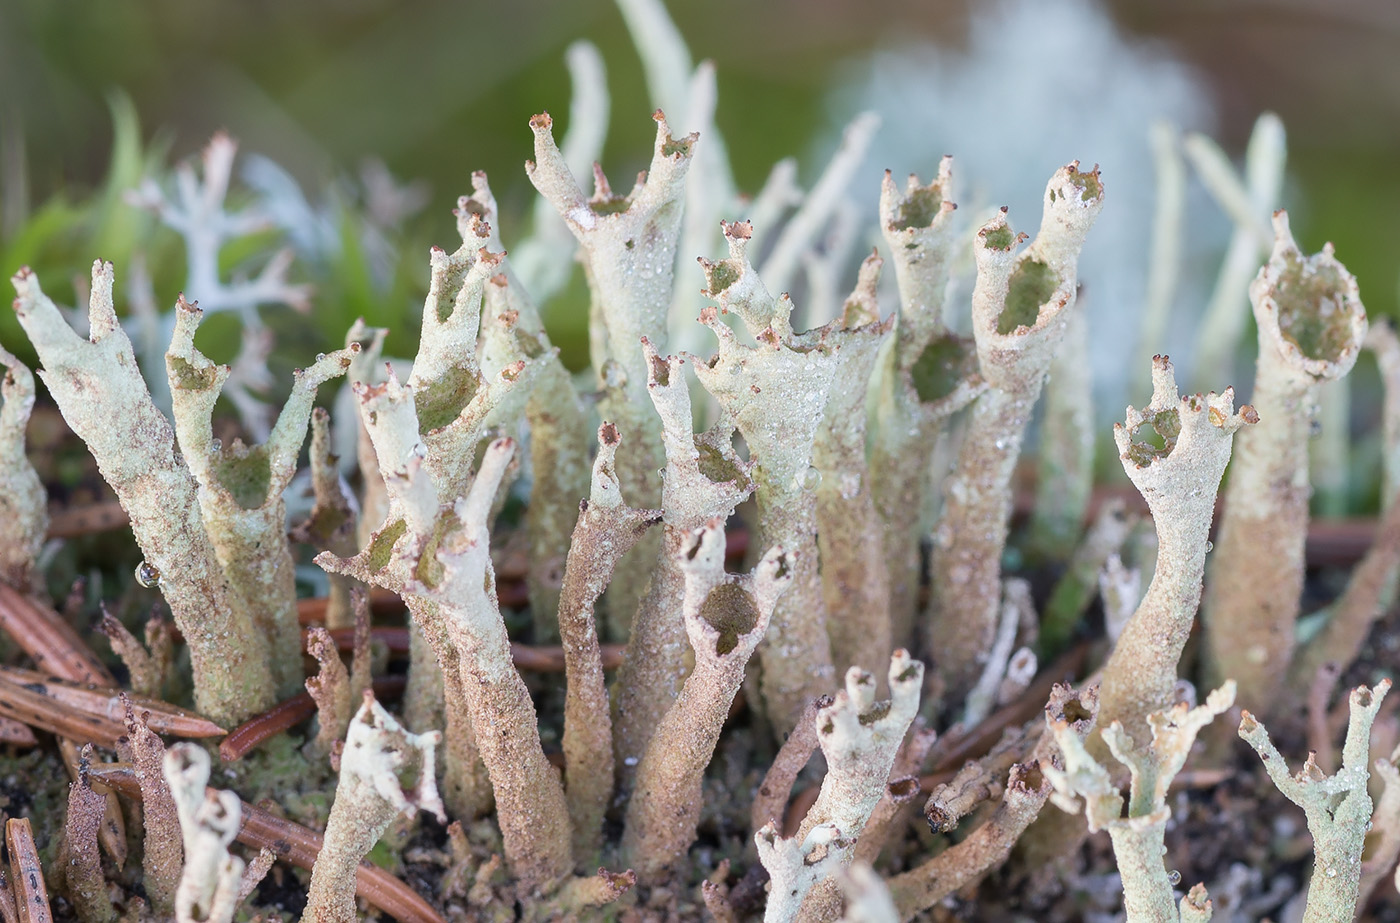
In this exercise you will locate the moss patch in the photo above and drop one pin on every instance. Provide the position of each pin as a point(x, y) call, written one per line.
point(999, 239)
point(938, 369)
point(919, 210)
point(381, 546)
point(723, 275)
point(1311, 308)
point(1031, 286)
point(247, 477)
point(440, 402)
point(731, 612)
point(185, 377)
point(1155, 438)
point(1089, 185)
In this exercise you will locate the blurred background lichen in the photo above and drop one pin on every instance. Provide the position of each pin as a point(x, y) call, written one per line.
point(350, 117)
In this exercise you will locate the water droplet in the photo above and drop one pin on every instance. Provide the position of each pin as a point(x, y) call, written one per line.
point(1174, 877)
point(630, 761)
point(809, 479)
point(147, 575)
point(1331, 873)
point(1210, 546)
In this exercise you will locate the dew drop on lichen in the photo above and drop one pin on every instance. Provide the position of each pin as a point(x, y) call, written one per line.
point(1210, 546)
point(1174, 877)
point(809, 479)
point(147, 575)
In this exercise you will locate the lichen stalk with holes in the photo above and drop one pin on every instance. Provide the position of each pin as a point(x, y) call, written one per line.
point(1178, 480)
point(95, 382)
point(1311, 326)
point(927, 375)
point(776, 392)
point(1019, 307)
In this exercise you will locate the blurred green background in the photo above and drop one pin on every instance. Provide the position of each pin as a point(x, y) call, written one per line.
point(437, 89)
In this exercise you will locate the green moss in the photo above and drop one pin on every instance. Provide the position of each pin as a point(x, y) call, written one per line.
point(441, 401)
point(715, 466)
point(672, 147)
point(919, 210)
point(999, 239)
point(938, 369)
point(381, 546)
point(1089, 185)
point(731, 612)
point(1311, 311)
point(1031, 286)
point(429, 570)
point(723, 275)
point(612, 205)
point(1155, 438)
point(246, 478)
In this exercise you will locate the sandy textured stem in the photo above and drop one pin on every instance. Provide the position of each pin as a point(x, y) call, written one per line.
point(1338, 807)
point(82, 874)
point(607, 528)
point(1019, 309)
point(331, 525)
point(466, 786)
point(24, 514)
point(369, 796)
point(95, 383)
point(726, 617)
point(1178, 481)
point(984, 849)
point(705, 479)
point(241, 487)
point(559, 461)
point(331, 689)
point(530, 802)
point(1065, 472)
point(1364, 601)
point(770, 804)
point(855, 579)
point(1311, 327)
point(162, 856)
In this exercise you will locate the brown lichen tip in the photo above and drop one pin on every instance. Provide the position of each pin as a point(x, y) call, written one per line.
point(1190, 427)
point(919, 207)
point(735, 284)
point(1308, 307)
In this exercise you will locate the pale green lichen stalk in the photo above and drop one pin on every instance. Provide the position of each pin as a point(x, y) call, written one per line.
point(1338, 807)
point(1139, 835)
point(95, 382)
point(24, 514)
